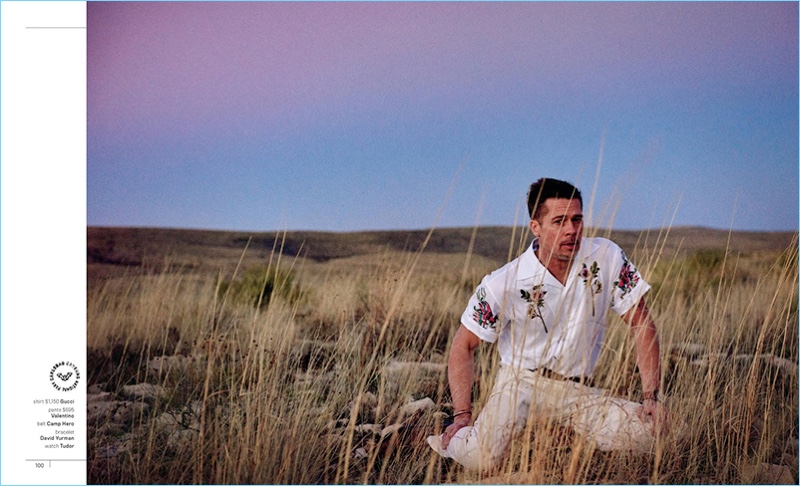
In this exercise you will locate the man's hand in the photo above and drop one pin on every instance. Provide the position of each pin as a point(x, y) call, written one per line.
point(459, 422)
point(655, 413)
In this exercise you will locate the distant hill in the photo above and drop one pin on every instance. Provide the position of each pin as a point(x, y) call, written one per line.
point(137, 247)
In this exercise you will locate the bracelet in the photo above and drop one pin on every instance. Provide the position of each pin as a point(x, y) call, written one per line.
point(653, 395)
point(462, 412)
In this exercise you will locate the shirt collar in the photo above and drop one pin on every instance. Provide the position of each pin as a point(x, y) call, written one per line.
point(530, 266)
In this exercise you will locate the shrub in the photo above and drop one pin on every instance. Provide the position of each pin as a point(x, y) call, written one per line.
point(256, 286)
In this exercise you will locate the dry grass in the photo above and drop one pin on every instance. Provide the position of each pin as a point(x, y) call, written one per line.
point(274, 394)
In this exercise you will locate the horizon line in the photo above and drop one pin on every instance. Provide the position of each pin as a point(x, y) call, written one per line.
point(434, 228)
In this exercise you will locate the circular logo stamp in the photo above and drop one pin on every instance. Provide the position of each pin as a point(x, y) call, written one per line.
point(64, 376)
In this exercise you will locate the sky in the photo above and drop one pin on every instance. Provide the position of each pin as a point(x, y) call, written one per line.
point(370, 116)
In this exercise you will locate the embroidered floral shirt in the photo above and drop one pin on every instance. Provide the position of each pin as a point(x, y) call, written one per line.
point(539, 322)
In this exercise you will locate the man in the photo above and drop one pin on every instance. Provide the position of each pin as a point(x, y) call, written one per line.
point(547, 311)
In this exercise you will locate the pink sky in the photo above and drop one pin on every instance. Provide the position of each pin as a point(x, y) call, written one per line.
point(270, 76)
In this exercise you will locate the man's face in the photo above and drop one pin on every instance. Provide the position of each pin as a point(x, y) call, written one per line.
point(560, 229)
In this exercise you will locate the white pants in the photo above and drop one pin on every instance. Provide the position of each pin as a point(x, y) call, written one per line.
point(610, 423)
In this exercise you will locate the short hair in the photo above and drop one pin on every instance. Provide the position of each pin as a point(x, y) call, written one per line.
point(545, 189)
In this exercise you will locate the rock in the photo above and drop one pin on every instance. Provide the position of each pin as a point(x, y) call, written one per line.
point(181, 439)
point(367, 403)
point(98, 397)
point(791, 446)
point(161, 365)
point(195, 408)
point(368, 400)
point(392, 429)
point(99, 411)
point(168, 420)
point(321, 411)
point(374, 429)
point(765, 473)
point(314, 383)
point(127, 411)
point(181, 427)
point(699, 362)
point(144, 391)
point(410, 436)
point(120, 446)
point(789, 460)
point(116, 412)
point(411, 378)
point(417, 406)
point(337, 424)
point(783, 364)
point(108, 430)
point(687, 350)
point(414, 368)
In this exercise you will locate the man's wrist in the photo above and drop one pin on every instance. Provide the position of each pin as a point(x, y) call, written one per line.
point(465, 411)
point(650, 395)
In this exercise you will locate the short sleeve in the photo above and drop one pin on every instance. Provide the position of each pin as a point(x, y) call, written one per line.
point(628, 287)
point(481, 315)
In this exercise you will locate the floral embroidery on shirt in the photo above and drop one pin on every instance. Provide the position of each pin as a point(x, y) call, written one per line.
point(627, 277)
point(483, 311)
point(591, 280)
point(535, 300)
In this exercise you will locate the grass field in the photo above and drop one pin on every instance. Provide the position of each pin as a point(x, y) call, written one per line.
point(225, 357)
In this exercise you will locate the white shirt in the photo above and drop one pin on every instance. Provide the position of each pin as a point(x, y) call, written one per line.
point(540, 322)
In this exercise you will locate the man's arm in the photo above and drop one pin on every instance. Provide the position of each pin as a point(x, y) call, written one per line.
point(648, 359)
point(645, 338)
point(460, 375)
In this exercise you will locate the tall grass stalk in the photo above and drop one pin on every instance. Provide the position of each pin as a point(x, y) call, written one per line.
point(277, 393)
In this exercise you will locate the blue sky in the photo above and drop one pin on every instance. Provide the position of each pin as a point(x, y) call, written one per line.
point(346, 116)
